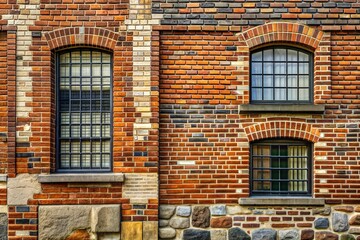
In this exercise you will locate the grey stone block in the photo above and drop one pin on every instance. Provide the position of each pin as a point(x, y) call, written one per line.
point(166, 211)
point(292, 234)
point(264, 234)
point(183, 211)
point(218, 210)
point(340, 222)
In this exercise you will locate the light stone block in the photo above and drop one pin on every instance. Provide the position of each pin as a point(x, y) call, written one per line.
point(22, 188)
point(131, 230)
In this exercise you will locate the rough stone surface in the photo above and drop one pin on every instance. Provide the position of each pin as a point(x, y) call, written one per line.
point(221, 222)
point(324, 235)
point(340, 222)
point(183, 211)
point(150, 230)
point(195, 234)
point(57, 222)
point(322, 211)
point(105, 218)
point(218, 234)
point(79, 234)
point(179, 223)
point(167, 233)
point(355, 220)
point(291, 234)
point(348, 209)
point(354, 230)
point(133, 230)
point(201, 217)
point(347, 237)
point(264, 234)
point(307, 234)
point(238, 234)
point(237, 210)
point(321, 223)
point(22, 188)
point(166, 211)
point(3, 226)
point(218, 210)
point(163, 223)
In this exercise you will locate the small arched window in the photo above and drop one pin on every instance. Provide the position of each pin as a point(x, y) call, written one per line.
point(281, 74)
point(84, 110)
point(280, 167)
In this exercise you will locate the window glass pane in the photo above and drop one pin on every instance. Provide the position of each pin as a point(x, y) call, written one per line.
point(303, 68)
point(85, 70)
point(106, 81)
point(65, 147)
point(280, 54)
point(292, 93)
point(292, 68)
point(65, 161)
point(86, 131)
point(96, 70)
point(106, 57)
point(106, 160)
point(303, 81)
point(303, 56)
point(268, 55)
point(280, 81)
point(256, 68)
point(292, 81)
point(268, 94)
point(85, 57)
point(75, 160)
point(106, 146)
point(256, 56)
point(96, 57)
point(292, 55)
point(65, 58)
point(303, 94)
point(65, 118)
point(75, 57)
point(268, 81)
point(106, 70)
point(280, 94)
point(256, 94)
point(280, 68)
point(268, 68)
point(106, 131)
point(65, 71)
point(256, 80)
point(65, 131)
point(75, 70)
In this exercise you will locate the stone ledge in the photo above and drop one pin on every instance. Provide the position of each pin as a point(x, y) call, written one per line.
point(81, 178)
point(3, 177)
point(282, 201)
point(290, 108)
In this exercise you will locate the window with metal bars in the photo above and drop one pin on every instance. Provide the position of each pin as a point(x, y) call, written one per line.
point(84, 110)
point(280, 167)
point(281, 74)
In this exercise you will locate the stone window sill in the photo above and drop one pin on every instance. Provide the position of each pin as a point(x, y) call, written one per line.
point(271, 201)
point(278, 108)
point(81, 178)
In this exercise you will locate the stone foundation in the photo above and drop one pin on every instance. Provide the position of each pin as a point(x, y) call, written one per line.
point(234, 222)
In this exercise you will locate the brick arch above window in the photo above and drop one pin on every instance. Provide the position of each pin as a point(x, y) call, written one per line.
point(282, 32)
point(296, 35)
point(285, 129)
point(82, 36)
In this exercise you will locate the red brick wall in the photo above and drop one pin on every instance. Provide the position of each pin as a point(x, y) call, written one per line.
point(199, 124)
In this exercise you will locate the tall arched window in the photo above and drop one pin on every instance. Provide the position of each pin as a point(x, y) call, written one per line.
point(84, 110)
point(280, 167)
point(281, 74)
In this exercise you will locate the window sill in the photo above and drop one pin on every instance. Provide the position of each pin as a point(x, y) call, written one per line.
point(271, 201)
point(81, 178)
point(290, 108)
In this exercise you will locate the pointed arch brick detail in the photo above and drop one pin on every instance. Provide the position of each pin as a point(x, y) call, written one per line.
point(78, 36)
point(282, 130)
point(282, 32)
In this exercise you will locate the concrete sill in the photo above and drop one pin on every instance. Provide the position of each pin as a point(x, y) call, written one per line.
point(282, 201)
point(291, 108)
point(81, 178)
point(3, 177)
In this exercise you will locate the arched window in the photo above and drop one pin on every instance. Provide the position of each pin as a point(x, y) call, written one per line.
point(280, 167)
point(84, 110)
point(281, 74)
